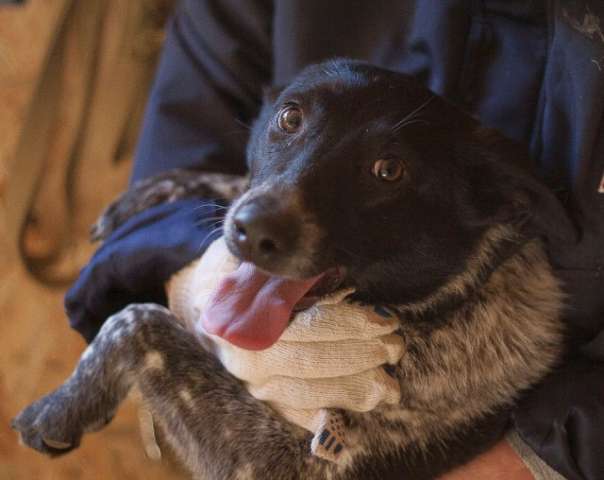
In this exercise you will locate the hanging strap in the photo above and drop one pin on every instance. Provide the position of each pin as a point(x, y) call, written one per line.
point(27, 164)
point(82, 120)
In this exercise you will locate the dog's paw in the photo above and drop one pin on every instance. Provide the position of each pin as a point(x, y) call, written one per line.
point(47, 426)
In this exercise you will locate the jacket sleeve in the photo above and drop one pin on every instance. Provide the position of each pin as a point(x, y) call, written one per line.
point(207, 88)
point(562, 419)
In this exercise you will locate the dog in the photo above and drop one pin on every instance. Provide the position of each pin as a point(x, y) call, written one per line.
point(361, 174)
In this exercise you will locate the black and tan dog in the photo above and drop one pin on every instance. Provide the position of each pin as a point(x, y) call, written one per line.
point(362, 175)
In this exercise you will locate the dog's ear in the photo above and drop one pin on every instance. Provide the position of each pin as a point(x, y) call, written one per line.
point(270, 93)
point(512, 194)
point(543, 213)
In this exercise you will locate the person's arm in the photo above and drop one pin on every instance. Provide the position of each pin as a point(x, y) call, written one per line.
point(208, 86)
point(533, 70)
point(562, 420)
point(501, 462)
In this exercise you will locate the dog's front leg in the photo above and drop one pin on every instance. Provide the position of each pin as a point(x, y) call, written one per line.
point(219, 430)
point(107, 369)
point(166, 187)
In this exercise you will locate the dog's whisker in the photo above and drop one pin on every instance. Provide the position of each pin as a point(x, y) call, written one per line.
point(217, 225)
point(212, 226)
point(410, 122)
point(411, 115)
point(243, 124)
point(217, 206)
point(205, 221)
point(421, 252)
point(207, 237)
point(212, 207)
point(351, 253)
point(217, 215)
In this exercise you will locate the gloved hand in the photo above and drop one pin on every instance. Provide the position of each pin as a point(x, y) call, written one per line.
point(137, 259)
point(330, 356)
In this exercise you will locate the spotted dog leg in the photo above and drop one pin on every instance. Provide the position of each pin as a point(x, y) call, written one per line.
point(218, 429)
point(166, 187)
point(88, 400)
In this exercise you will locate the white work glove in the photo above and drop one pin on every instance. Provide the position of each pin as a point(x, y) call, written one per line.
point(331, 356)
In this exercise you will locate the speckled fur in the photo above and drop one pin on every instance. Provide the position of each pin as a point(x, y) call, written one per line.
point(166, 187)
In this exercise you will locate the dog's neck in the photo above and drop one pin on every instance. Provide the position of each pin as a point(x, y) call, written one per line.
point(497, 245)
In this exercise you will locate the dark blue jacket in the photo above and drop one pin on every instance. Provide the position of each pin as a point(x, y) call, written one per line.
point(533, 69)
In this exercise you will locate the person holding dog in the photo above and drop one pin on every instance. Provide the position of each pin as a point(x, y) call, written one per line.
point(533, 70)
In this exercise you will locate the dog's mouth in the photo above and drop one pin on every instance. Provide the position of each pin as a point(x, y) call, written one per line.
point(251, 308)
point(328, 283)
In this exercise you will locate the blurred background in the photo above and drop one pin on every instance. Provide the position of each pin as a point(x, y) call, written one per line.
point(74, 75)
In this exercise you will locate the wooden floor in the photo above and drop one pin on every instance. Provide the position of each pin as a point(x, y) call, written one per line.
point(37, 348)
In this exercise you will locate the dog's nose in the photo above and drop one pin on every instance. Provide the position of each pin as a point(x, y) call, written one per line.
point(262, 234)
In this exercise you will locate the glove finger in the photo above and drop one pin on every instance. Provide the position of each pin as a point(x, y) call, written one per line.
point(343, 321)
point(361, 392)
point(309, 360)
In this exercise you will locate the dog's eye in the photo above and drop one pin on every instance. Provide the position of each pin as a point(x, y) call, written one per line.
point(388, 169)
point(290, 119)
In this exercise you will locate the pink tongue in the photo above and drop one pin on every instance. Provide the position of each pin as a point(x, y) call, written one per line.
point(251, 309)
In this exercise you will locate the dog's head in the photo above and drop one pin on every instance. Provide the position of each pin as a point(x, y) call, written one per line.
point(365, 174)
point(365, 170)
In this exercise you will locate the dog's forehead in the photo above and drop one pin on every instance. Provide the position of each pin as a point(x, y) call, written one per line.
point(325, 93)
point(361, 89)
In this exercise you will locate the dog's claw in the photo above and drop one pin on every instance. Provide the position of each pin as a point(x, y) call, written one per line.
point(56, 444)
point(97, 231)
point(104, 226)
